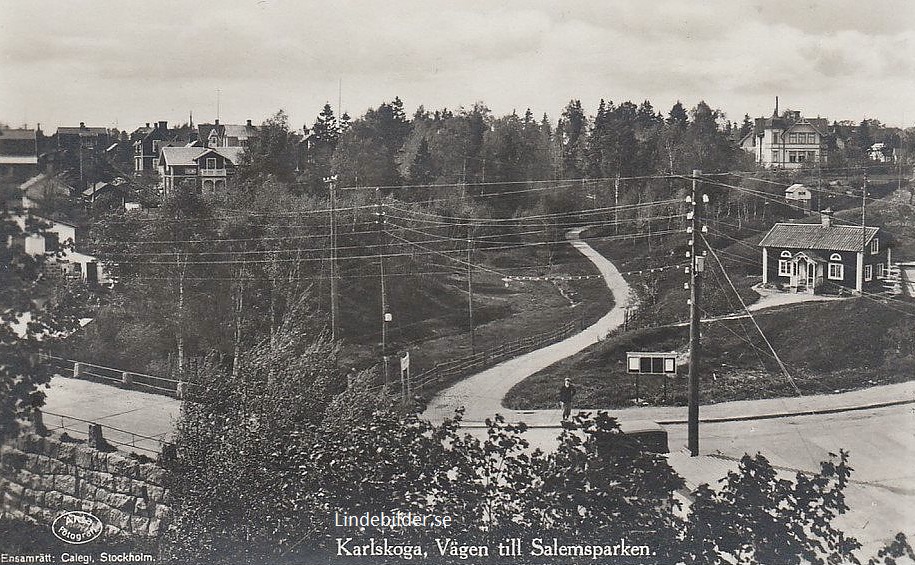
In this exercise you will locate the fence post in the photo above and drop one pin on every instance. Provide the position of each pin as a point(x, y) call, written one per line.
point(76, 368)
point(179, 390)
point(126, 379)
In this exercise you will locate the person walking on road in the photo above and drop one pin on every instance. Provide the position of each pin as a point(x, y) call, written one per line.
point(566, 392)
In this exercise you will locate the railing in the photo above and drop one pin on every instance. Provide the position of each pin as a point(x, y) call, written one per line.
point(78, 428)
point(212, 172)
point(111, 375)
point(484, 359)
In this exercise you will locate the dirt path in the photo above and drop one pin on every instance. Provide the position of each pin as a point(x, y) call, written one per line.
point(481, 394)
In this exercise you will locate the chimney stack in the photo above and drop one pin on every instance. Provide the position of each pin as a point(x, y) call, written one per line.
point(826, 217)
point(82, 125)
point(216, 122)
point(249, 123)
point(147, 124)
point(163, 124)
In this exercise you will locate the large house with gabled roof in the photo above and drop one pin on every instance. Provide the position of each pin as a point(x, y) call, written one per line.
point(210, 170)
point(825, 257)
point(788, 141)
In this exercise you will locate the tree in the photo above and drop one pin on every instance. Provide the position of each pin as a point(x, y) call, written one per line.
point(421, 169)
point(259, 479)
point(677, 116)
point(572, 132)
point(271, 152)
point(26, 328)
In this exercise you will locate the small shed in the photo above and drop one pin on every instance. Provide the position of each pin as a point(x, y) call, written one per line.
point(798, 195)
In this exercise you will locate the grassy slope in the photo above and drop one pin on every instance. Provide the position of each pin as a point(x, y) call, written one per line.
point(839, 355)
point(430, 312)
point(875, 346)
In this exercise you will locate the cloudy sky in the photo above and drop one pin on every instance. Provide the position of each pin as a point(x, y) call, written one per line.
point(124, 62)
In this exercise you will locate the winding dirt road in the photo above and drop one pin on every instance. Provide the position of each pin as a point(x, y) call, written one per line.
point(481, 394)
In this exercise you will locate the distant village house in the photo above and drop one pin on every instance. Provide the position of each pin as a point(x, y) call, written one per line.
point(209, 170)
point(788, 141)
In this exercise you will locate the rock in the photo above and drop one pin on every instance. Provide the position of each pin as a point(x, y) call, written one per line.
point(155, 475)
point(54, 500)
point(162, 512)
point(66, 453)
point(155, 493)
point(120, 501)
point(85, 459)
point(139, 525)
point(155, 527)
point(65, 484)
point(140, 507)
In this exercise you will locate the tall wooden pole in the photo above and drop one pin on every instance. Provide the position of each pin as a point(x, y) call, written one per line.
point(694, 350)
point(473, 348)
point(331, 182)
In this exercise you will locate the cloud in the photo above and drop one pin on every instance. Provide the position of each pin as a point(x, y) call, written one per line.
point(113, 59)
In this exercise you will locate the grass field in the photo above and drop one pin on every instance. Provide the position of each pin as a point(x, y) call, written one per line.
point(826, 347)
point(431, 316)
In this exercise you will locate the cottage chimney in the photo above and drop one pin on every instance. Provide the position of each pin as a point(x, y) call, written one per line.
point(147, 124)
point(826, 217)
point(249, 123)
point(163, 124)
point(216, 121)
point(82, 125)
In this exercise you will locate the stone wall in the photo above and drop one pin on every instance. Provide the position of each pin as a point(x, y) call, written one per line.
point(41, 477)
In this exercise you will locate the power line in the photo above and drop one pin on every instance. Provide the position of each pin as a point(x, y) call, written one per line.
point(753, 319)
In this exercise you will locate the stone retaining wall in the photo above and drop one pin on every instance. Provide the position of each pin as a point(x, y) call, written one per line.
point(42, 477)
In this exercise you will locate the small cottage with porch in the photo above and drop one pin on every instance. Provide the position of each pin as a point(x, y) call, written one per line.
point(824, 257)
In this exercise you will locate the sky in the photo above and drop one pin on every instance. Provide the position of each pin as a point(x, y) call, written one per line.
point(123, 63)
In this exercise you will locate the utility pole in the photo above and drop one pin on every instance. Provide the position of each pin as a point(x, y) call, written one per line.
point(331, 183)
point(473, 348)
point(616, 204)
point(697, 265)
point(384, 301)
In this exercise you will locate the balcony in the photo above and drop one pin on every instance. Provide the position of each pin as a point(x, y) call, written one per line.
point(212, 172)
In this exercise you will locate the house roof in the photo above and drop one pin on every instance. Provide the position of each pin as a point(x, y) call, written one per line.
point(18, 160)
point(181, 155)
point(230, 153)
point(28, 134)
point(82, 131)
point(41, 185)
point(233, 130)
point(796, 187)
point(189, 155)
point(818, 236)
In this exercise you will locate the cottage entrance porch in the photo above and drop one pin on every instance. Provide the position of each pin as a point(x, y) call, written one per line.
point(806, 272)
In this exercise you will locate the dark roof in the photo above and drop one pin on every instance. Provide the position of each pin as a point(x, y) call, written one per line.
point(818, 236)
point(28, 134)
point(82, 131)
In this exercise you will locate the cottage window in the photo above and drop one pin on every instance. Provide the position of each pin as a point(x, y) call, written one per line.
point(211, 163)
point(880, 271)
point(875, 246)
point(812, 138)
point(836, 272)
point(784, 264)
point(775, 156)
point(868, 272)
point(835, 257)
